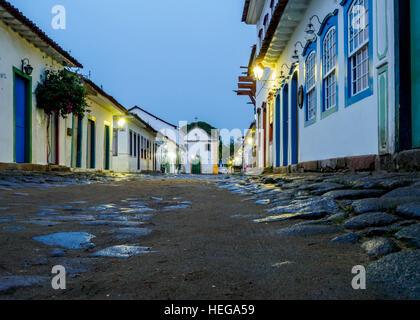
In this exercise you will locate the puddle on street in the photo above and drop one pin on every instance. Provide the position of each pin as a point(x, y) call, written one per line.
point(122, 251)
point(68, 240)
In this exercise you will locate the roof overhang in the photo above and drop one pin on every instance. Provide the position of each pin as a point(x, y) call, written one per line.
point(252, 11)
point(287, 16)
point(291, 16)
point(13, 18)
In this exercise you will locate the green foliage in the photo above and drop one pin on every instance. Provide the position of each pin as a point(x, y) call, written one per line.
point(203, 125)
point(61, 92)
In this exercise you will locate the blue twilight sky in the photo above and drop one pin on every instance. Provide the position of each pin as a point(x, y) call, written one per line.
point(179, 59)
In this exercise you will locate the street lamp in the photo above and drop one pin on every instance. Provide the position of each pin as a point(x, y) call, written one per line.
point(259, 71)
point(121, 123)
point(310, 29)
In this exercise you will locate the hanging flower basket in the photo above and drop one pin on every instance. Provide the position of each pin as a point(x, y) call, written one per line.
point(61, 92)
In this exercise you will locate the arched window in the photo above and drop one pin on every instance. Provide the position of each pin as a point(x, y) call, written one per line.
point(310, 81)
point(329, 74)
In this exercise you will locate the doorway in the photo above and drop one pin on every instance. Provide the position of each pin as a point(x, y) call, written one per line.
point(196, 165)
point(278, 125)
point(285, 125)
point(53, 139)
point(294, 119)
point(107, 140)
point(22, 117)
point(91, 144)
point(77, 142)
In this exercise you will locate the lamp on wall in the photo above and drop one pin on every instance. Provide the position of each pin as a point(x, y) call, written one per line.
point(26, 67)
point(310, 29)
point(296, 54)
point(259, 71)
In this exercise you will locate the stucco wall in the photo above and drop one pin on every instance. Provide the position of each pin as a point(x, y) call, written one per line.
point(353, 130)
point(13, 50)
point(125, 162)
point(198, 140)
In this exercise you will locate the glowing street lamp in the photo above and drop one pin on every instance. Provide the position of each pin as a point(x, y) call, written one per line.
point(259, 71)
point(121, 123)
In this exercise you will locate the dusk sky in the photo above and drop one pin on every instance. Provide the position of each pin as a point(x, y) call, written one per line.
point(177, 59)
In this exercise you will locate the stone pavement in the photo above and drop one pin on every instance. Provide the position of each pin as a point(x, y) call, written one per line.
point(379, 212)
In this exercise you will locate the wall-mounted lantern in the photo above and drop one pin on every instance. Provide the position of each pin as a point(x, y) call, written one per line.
point(26, 67)
point(296, 53)
point(310, 29)
point(259, 71)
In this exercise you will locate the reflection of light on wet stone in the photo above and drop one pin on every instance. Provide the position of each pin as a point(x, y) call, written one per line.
point(281, 264)
point(112, 223)
point(156, 198)
point(78, 202)
point(177, 207)
point(6, 220)
point(137, 210)
point(186, 202)
point(14, 228)
point(122, 251)
point(265, 201)
point(130, 233)
point(10, 282)
point(68, 240)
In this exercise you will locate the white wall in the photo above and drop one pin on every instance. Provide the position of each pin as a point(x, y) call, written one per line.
point(125, 162)
point(353, 130)
point(198, 140)
point(13, 49)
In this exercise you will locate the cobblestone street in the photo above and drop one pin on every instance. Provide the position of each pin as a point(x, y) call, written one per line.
point(203, 237)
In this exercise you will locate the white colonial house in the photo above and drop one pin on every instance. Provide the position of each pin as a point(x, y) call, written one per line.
point(25, 53)
point(202, 156)
point(337, 81)
point(170, 150)
point(249, 160)
point(135, 147)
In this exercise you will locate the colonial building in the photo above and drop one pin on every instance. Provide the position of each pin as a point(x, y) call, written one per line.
point(169, 140)
point(202, 156)
point(336, 81)
point(107, 138)
point(135, 145)
point(250, 149)
point(26, 52)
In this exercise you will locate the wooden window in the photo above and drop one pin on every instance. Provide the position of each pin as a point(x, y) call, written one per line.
point(358, 31)
point(329, 59)
point(310, 87)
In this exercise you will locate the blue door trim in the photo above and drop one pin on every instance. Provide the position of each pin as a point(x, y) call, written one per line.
point(27, 157)
point(285, 125)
